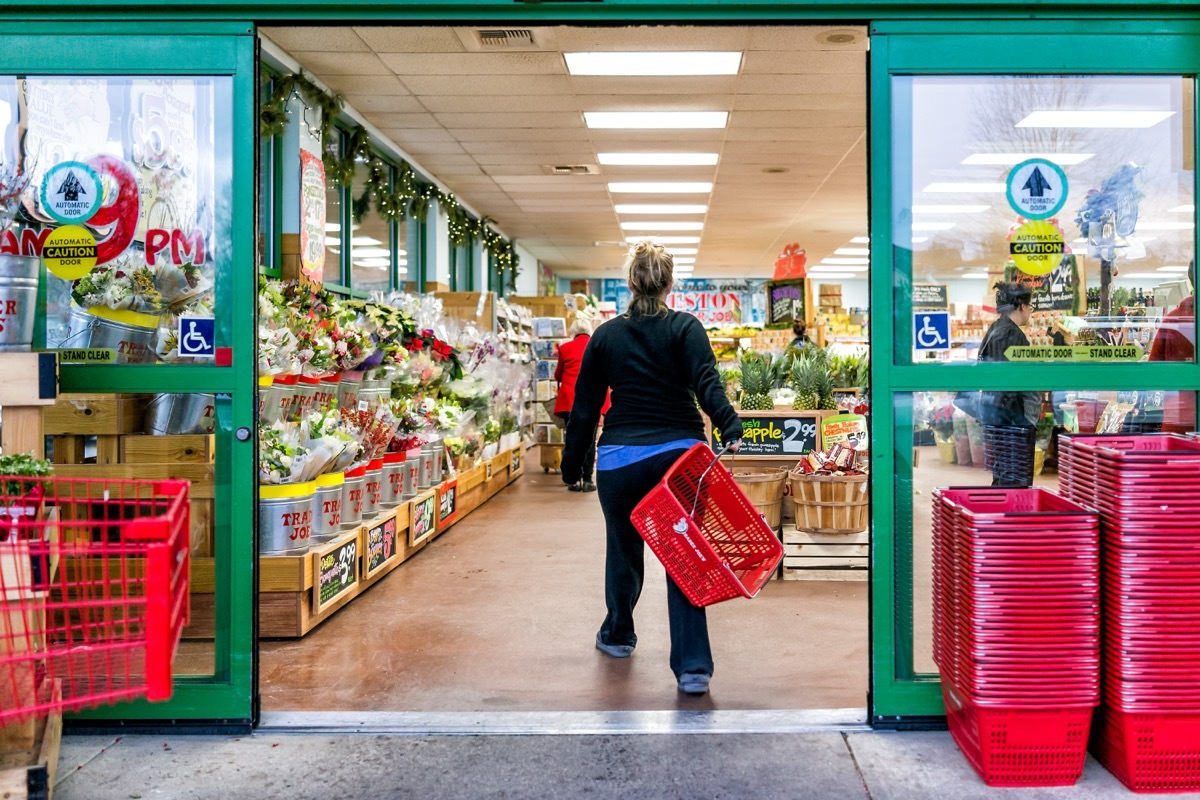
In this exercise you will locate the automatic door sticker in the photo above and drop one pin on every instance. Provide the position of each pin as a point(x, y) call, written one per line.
point(70, 252)
point(1037, 188)
point(1037, 247)
point(71, 192)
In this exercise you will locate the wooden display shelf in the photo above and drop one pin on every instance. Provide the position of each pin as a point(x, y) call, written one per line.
point(286, 583)
point(29, 764)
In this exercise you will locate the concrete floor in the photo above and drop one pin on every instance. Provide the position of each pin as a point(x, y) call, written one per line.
point(500, 614)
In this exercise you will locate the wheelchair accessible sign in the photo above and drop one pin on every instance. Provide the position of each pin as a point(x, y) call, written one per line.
point(197, 336)
point(931, 330)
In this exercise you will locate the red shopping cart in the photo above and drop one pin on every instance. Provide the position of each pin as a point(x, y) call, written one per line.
point(93, 591)
point(710, 538)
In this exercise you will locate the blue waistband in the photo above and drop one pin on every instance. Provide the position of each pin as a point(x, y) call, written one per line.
point(615, 456)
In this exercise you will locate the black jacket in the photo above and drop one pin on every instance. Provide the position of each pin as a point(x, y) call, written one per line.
point(1006, 408)
point(657, 368)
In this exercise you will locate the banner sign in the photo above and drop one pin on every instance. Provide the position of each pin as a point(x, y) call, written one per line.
point(312, 216)
point(714, 302)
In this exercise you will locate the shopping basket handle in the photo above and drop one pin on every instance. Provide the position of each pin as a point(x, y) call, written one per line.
point(704, 474)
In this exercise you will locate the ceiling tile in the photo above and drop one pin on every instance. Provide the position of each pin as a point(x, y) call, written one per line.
point(378, 103)
point(801, 102)
point(696, 86)
point(327, 63)
point(410, 40)
point(487, 84)
point(468, 103)
point(329, 39)
point(794, 120)
point(415, 120)
point(520, 134)
point(528, 119)
point(803, 38)
point(826, 84)
point(452, 64)
point(645, 37)
point(365, 84)
point(773, 62)
point(405, 136)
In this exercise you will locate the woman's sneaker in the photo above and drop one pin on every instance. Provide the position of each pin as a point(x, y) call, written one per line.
point(694, 683)
point(614, 650)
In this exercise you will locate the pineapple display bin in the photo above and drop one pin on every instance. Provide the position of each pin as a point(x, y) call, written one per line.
point(829, 503)
point(765, 490)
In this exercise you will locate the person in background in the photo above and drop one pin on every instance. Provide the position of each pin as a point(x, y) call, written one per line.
point(1175, 341)
point(1009, 418)
point(800, 334)
point(570, 357)
point(658, 364)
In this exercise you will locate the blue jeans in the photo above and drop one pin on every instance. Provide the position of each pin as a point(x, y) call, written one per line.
point(624, 570)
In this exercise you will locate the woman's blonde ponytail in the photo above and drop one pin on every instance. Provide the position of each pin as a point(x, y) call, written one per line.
point(651, 273)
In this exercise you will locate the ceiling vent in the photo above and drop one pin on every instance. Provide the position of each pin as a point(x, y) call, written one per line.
point(571, 169)
point(506, 38)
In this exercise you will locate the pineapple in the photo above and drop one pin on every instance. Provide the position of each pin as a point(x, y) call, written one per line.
point(756, 383)
point(824, 386)
point(804, 381)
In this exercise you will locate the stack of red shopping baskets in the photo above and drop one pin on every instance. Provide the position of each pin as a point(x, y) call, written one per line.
point(1016, 630)
point(1147, 488)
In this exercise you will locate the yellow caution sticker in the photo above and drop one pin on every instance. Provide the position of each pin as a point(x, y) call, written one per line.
point(70, 252)
point(1037, 247)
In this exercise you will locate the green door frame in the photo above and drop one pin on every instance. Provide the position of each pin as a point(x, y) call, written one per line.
point(216, 49)
point(1074, 47)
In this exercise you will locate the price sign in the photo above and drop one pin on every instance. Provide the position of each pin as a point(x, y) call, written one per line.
point(789, 434)
point(335, 569)
point(516, 461)
point(424, 518)
point(447, 504)
point(381, 547)
point(930, 295)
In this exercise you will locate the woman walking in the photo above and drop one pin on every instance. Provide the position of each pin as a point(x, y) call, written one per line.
point(658, 364)
point(1008, 418)
point(570, 358)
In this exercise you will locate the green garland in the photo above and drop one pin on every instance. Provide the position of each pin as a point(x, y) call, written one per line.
point(408, 196)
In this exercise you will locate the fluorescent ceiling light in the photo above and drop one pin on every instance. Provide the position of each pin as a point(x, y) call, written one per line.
point(1142, 275)
point(961, 187)
point(373, 262)
point(1166, 226)
point(1094, 119)
point(852, 251)
point(662, 226)
point(1184, 209)
point(371, 252)
point(932, 226)
point(842, 262)
point(657, 159)
point(1012, 159)
point(919, 239)
point(974, 276)
point(861, 240)
point(332, 241)
point(364, 240)
point(658, 187)
point(656, 120)
point(664, 239)
point(332, 227)
point(690, 62)
point(1173, 269)
point(821, 269)
point(964, 209)
point(843, 275)
point(685, 263)
point(682, 251)
point(660, 208)
point(402, 252)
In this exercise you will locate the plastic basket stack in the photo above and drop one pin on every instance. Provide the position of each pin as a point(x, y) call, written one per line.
point(1016, 612)
point(1147, 488)
point(1013, 448)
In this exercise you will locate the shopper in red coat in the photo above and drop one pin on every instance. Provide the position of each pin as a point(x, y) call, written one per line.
point(570, 358)
point(1175, 341)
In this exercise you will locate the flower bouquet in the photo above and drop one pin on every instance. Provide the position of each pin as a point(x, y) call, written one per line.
point(120, 285)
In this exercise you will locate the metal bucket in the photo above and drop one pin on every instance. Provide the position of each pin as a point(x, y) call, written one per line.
point(373, 494)
point(373, 393)
point(131, 344)
point(264, 394)
point(326, 393)
point(302, 400)
point(352, 497)
point(327, 507)
point(437, 450)
point(348, 389)
point(425, 476)
point(280, 401)
point(181, 413)
point(285, 518)
point(412, 472)
point(393, 480)
point(18, 302)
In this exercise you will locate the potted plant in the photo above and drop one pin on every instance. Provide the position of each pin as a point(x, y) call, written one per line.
point(23, 499)
point(942, 423)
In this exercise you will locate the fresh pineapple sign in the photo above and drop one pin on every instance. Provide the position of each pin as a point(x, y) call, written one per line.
point(788, 434)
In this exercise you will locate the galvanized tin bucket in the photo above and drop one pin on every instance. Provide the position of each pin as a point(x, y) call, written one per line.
point(373, 393)
point(327, 507)
point(436, 449)
point(285, 518)
point(302, 400)
point(393, 480)
point(373, 489)
point(18, 302)
point(412, 472)
point(326, 392)
point(283, 389)
point(352, 497)
point(130, 335)
point(425, 476)
point(264, 393)
point(348, 389)
point(170, 414)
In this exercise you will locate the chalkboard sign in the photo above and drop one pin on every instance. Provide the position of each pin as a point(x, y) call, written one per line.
point(782, 434)
point(930, 295)
point(1056, 291)
point(516, 462)
point(447, 504)
point(335, 572)
point(785, 302)
point(381, 546)
point(424, 518)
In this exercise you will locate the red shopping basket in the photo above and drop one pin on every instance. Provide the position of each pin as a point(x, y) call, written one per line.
point(710, 538)
point(93, 591)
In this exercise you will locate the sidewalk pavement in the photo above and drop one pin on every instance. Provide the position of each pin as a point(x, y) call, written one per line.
point(846, 766)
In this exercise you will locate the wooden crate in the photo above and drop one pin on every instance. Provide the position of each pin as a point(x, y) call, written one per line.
point(70, 448)
point(807, 574)
point(29, 763)
point(140, 448)
point(95, 414)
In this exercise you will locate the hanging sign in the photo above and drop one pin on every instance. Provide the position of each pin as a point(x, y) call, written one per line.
point(312, 216)
point(785, 303)
point(1037, 188)
point(1036, 247)
point(791, 263)
point(1079, 352)
point(710, 307)
point(71, 192)
point(335, 572)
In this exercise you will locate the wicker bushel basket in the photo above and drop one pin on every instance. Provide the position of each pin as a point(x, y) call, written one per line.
point(765, 490)
point(830, 503)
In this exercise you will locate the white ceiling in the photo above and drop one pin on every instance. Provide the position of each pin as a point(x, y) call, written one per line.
point(489, 124)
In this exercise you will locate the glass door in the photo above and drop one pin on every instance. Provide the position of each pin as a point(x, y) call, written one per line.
point(136, 148)
point(1033, 230)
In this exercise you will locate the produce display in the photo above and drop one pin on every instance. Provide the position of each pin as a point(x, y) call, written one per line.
point(838, 460)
